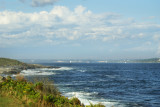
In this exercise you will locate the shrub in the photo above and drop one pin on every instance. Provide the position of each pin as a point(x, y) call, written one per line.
point(75, 101)
point(39, 86)
point(20, 78)
point(96, 105)
point(48, 98)
point(9, 78)
point(48, 86)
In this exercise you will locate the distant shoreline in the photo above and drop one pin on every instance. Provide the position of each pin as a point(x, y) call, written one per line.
point(41, 61)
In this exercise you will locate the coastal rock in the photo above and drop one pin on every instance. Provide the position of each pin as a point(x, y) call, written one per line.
point(13, 71)
point(9, 70)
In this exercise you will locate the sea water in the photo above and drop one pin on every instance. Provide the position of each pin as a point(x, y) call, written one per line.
point(112, 84)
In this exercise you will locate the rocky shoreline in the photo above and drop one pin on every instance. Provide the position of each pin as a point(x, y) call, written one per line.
point(18, 69)
point(12, 66)
point(9, 70)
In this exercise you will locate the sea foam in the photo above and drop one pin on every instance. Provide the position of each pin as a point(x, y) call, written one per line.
point(43, 71)
point(87, 98)
point(35, 72)
point(55, 69)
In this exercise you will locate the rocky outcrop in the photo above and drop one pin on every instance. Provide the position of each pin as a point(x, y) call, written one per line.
point(9, 70)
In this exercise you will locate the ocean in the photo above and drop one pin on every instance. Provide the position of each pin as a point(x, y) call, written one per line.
point(112, 84)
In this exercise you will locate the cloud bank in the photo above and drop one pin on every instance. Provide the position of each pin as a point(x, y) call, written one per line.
point(61, 25)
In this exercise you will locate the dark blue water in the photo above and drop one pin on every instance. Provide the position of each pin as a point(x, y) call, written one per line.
point(118, 85)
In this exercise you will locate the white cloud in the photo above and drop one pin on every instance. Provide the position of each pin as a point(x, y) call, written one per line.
point(79, 10)
point(61, 25)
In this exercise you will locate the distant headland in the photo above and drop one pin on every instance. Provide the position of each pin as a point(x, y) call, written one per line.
point(11, 66)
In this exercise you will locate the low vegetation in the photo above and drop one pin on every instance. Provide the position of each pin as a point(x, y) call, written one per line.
point(10, 102)
point(10, 62)
point(38, 94)
point(6, 62)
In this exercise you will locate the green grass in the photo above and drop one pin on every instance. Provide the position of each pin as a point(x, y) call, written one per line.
point(10, 102)
point(10, 62)
point(6, 62)
point(36, 94)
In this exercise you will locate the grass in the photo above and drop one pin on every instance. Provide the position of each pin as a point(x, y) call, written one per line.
point(6, 62)
point(10, 102)
point(10, 62)
point(39, 94)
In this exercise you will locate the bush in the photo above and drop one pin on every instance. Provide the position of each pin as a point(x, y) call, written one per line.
point(20, 78)
point(75, 101)
point(48, 98)
point(96, 105)
point(39, 86)
point(9, 78)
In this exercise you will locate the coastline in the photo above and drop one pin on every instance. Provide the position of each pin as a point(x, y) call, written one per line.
point(18, 69)
point(42, 93)
point(11, 66)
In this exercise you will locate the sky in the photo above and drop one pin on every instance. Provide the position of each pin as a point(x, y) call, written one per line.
point(79, 29)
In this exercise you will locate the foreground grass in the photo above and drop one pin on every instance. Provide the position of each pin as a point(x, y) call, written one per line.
point(36, 94)
point(10, 102)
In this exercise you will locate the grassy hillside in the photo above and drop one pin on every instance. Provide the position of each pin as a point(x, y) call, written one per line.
point(6, 62)
point(10, 62)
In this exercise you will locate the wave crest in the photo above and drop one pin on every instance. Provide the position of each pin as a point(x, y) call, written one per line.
point(35, 72)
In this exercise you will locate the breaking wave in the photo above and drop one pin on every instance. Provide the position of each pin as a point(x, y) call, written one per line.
point(87, 98)
point(59, 69)
point(43, 71)
point(35, 72)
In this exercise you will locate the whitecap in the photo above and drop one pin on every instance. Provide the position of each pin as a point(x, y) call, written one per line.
point(43, 71)
point(65, 68)
point(82, 70)
point(93, 81)
point(59, 69)
point(80, 94)
point(30, 72)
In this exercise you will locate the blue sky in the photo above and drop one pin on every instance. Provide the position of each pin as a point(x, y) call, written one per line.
point(79, 29)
